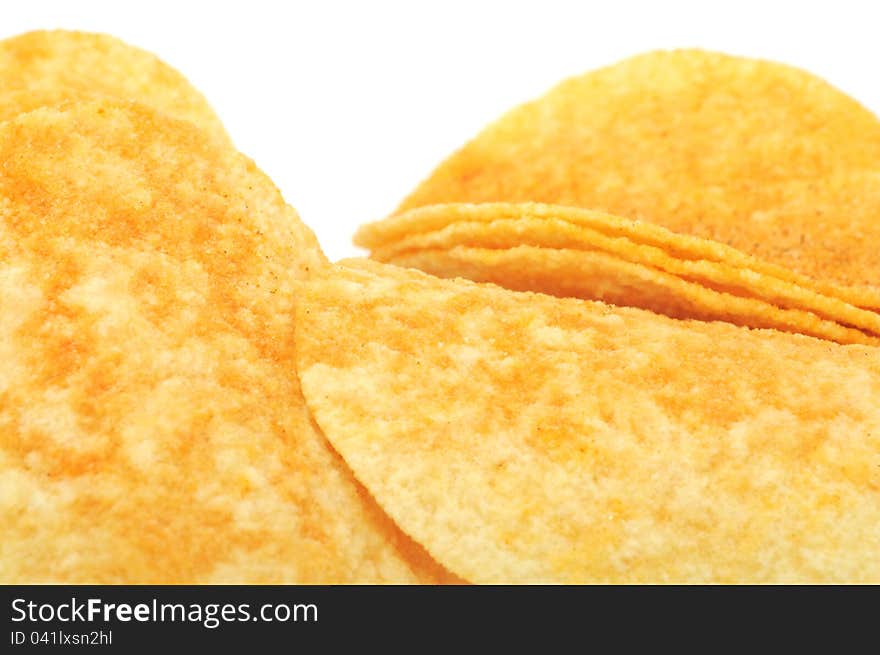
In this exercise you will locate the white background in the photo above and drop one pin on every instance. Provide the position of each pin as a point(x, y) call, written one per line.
point(348, 105)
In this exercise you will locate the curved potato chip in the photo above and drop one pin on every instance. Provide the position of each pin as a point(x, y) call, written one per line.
point(760, 156)
point(152, 429)
point(502, 226)
point(48, 68)
point(525, 438)
point(598, 276)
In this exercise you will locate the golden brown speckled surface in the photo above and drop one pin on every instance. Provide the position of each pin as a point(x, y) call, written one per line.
point(49, 68)
point(760, 156)
point(526, 438)
point(152, 429)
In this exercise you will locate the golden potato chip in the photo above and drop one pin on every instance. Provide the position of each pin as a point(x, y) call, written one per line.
point(759, 156)
point(598, 276)
point(525, 438)
point(152, 428)
point(697, 262)
point(48, 68)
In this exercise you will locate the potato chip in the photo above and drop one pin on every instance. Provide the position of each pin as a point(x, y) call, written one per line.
point(48, 68)
point(524, 438)
point(760, 156)
point(152, 428)
point(598, 276)
point(502, 226)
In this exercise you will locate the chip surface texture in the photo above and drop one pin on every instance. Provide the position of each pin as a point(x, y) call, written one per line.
point(530, 439)
point(49, 68)
point(152, 429)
